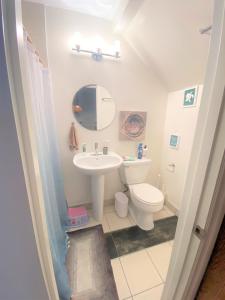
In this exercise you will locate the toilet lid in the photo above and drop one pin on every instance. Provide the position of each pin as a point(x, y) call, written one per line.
point(148, 193)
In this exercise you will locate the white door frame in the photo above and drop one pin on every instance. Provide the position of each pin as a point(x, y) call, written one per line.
point(205, 132)
point(205, 145)
point(214, 221)
point(14, 46)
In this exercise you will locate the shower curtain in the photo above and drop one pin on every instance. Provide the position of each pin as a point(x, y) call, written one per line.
point(49, 164)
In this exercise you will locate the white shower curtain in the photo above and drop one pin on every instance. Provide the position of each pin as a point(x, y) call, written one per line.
point(48, 160)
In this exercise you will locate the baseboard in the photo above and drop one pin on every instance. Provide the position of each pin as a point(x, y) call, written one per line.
point(88, 205)
point(172, 207)
point(108, 202)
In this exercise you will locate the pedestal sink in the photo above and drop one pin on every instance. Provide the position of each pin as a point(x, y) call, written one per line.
point(96, 166)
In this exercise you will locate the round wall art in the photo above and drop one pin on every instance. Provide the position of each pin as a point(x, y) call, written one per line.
point(132, 125)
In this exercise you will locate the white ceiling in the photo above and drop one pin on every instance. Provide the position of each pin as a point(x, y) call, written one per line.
point(107, 9)
point(165, 34)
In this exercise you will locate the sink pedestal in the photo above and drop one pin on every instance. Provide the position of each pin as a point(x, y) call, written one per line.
point(97, 166)
point(97, 195)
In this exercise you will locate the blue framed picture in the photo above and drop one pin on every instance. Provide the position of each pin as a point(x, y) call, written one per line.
point(190, 97)
point(174, 141)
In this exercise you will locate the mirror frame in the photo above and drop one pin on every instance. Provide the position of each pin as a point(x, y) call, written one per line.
point(79, 109)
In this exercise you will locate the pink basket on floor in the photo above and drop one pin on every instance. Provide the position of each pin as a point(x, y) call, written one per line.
point(77, 216)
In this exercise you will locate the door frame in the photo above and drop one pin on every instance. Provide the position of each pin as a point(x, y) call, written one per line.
point(206, 157)
point(203, 144)
point(20, 93)
point(214, 221)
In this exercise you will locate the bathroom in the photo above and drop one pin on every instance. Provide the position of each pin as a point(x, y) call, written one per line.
point(150, 78)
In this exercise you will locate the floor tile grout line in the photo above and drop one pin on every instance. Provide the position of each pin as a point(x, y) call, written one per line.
point(127, 280)
point(127, 254)
point(125, 277)
point(149, 255)
point(104, 216)
point(123, 227)
point(111, 207)
point(155, 286)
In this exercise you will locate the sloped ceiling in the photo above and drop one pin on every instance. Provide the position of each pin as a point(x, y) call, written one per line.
point(106, 9)
point(165, 34)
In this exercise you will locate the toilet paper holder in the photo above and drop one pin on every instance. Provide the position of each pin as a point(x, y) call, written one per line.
point(171, 167)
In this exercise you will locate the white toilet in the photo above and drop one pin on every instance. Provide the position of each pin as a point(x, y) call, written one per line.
point(145, 198)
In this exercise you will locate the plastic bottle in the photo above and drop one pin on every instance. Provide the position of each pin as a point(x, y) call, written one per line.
point(140, 151)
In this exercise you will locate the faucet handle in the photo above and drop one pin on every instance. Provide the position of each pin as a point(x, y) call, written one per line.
point(84, 147)
point(96, 145)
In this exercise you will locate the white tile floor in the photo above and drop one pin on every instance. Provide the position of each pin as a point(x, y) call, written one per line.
point(111, 222)
point(141, 275)
point(160, 255)
point(140, 272)
point(152, 294)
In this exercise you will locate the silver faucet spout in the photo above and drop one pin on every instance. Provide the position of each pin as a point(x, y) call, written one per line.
point(96, 148)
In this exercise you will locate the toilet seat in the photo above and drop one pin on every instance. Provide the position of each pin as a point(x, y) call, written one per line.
point(147, 194)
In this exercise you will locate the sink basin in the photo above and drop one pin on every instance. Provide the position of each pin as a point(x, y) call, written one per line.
point(96, 166)
point(89, 163)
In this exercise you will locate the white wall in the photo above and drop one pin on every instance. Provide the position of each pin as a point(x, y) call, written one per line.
point(131, 85)
point(21, 276)
point(166, 35)
point(180, 121)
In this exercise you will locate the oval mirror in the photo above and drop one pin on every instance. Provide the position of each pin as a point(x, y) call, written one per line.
point(93, 107)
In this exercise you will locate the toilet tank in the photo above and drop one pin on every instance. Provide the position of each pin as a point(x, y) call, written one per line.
point(132, 172)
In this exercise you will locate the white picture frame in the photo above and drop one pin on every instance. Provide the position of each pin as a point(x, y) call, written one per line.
point(190, 97)
point(174, 141)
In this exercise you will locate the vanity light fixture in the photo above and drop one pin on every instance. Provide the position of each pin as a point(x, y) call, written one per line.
point(96, 49)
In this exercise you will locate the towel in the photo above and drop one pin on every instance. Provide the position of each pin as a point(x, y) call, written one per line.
point(73, 143)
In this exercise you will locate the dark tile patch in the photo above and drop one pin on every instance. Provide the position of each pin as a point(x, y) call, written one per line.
point(111, 246)
point(132, 239)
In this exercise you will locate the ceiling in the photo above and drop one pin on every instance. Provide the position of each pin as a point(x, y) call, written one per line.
point(107, 9)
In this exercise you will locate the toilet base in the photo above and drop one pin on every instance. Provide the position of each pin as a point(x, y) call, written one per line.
point(144, 220)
